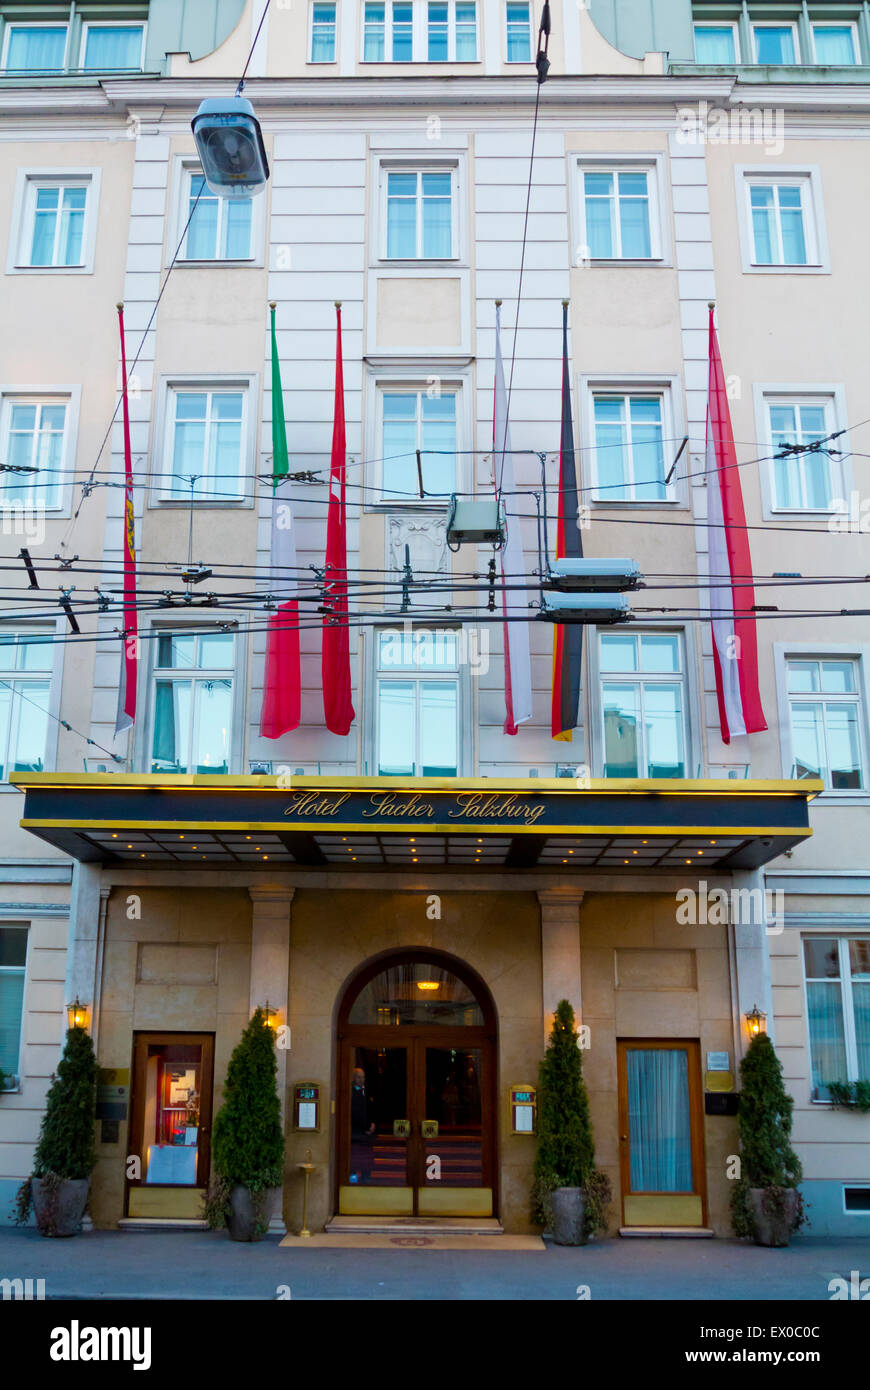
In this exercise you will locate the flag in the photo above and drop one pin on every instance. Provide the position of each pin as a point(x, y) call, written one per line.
point(517, 656)
point(126, 713)
point(735, 649)
point(337, 699)
point(282, 686)
point(567, 640)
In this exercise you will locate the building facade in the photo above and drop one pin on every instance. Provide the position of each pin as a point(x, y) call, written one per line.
point(429, 872)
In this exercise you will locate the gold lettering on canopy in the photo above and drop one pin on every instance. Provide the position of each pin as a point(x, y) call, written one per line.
point(473, 806)
point(388, 804)
point(314, 805)
point(412, 807)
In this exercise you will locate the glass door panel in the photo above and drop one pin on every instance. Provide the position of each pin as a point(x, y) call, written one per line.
point(172, 1090)
point(376, 1178)
point(454, 1180)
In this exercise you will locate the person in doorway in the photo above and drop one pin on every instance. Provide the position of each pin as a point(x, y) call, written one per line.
point(362, 1129)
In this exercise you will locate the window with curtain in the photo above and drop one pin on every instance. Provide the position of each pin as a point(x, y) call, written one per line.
point(775, 44)
point(715, 44)
point(35, 48)
point(782, 225)
point(659, 1119)
point(323, 33)
point(412, 420)
point(837, 973)
point(518, 21)
point(26, 660)
point(417, 703)
point(193, 702)
point(33, 436)
point(205, 446)
point(801, 482)
point(419, 214)
point(835, 45)
point(220, 228)
point(13, 960)
point(629, 448)
point(617, 214)
point(643, 703)
point(55, 222)
point(388, 32)
point(112, 47)
point(452, 31)
point(826, 721)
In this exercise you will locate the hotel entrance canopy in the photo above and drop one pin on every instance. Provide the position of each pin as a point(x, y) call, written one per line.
point(443, 824)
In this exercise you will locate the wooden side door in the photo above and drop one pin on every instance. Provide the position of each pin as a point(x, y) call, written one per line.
point(170, 1123)
point(661, 1133)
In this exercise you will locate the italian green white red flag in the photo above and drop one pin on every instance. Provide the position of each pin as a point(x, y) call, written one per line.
point(126, 713)
point(732, 596)
point(282, 688)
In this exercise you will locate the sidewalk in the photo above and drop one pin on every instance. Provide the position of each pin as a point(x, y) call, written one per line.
point(201, 1265)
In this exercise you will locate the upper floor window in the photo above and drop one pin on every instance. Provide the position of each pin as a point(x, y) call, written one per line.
point(802, 481)
point(33, 437)
point(220, 228)
point(35, 48)
point(417, 680)
point(415, 419)
point(388, 32)
point(56, 223)
point(26, 660)
point(629, 447)
point(13, 960)
point(112, 47)
point(643, 704)
point(835, 45)
point(775, 44)
point(322, 33)
point(452, 33)
point(826, 721)
point(206, 444)
point(716, 44)
point(837, 973)
point(783, 231)
point(419, 220)
point(617, 208)
point(518, 19)
point(193, 702)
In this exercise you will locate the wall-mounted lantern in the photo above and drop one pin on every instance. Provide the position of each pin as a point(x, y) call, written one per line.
point(756, 1021)
point(77, 1014)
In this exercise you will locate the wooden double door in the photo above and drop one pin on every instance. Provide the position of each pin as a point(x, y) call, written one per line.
point(416, 1127)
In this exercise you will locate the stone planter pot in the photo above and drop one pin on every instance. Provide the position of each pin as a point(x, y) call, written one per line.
point(246, 1211)
point(59, 1211)
point(569, 1205)
point(773, 1222)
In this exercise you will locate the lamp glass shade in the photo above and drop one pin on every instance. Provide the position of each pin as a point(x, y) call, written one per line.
point(231, 148)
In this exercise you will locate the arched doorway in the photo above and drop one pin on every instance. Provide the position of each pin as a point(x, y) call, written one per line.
point(416, 1084)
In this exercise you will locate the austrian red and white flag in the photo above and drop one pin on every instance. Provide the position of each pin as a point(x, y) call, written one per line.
point(515, 605)
point(337, 697)
point(732, 596)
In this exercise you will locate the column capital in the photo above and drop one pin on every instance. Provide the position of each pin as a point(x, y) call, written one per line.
point(566, 896)
point(277, 893)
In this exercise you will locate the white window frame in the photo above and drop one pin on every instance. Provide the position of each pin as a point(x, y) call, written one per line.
point(451, 32)
point(653, 165)
point(668, 388)
point(184, 166)
point(718, 24)
point(688, 677)
point(776, 24)
point(418, 34)
point(419, 677)
point(419, 168)
point(404, 161)
point(824, 697)
point(409, 377)
point(815, 233)
point(55, 678)
point(23, 208)
point(34, 24)
point(513, 62)
point(235, 674)
point(159, 488)
point(836, 24)
point(462, 676)
point(70, 396)
point(859, 653)
point(25, 972)
point(846, 1001)
point(833, 397)
point(89, 24)
point(322, 62)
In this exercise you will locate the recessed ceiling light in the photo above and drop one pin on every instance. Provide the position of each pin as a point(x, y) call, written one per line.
point(114, 834)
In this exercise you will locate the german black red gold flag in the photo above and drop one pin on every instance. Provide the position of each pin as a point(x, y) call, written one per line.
point(567, 640)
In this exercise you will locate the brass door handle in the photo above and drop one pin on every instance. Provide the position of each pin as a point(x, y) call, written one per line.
point(624, 1138)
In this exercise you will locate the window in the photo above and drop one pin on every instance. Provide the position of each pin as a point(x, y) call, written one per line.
point(519, 32)
point(629, 447)
point(801, 482)
point(775, 44)
point(13, 959)
point(206, 444)
point(643, 704)
point(37, 48)
point(322, 33)
point(782, 223)
point(452, 35)
point(220, 228)
point(826, 718)
point(412, 420)
point(112, 47)
point(193, 702)
point(418, 703)
point(837, 971)
point(716, 44)
point(33, 435)
point(835, 44)
point(617, 213)
point(388, 32)
point(26, 660)
point(419, 221)
point(54, 223)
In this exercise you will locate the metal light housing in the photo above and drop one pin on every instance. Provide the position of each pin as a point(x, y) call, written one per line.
point(480, 522)
point(593, 576)
point(231, 149)
point(602, 609)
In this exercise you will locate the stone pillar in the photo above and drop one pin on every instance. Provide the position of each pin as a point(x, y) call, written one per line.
point(751, 947)
point(560, 951)
point(84, 942)
point(270, 974)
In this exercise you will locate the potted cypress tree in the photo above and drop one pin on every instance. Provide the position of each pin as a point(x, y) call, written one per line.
point(248, 1141)
point(766, 1203)
point(65, 1154)
point(569, 1195)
